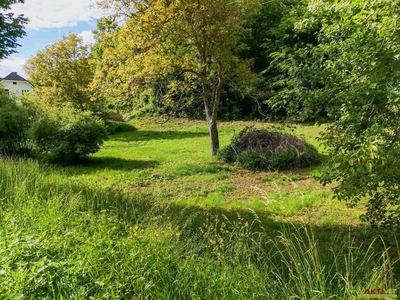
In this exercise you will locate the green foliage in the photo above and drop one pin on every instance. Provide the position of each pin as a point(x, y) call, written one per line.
point(11, 28)
point(62, 72)
point(257, 149)
point(15, 119)
point(350, 74)
point(227, 154)
point(358, 59)
point(67, 136)
point(271, 33)
point(253, 160)
point(192, 169)
point(237, 105)
point(190, 47)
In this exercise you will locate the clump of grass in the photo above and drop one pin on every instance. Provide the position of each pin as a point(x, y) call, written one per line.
point(344, 271)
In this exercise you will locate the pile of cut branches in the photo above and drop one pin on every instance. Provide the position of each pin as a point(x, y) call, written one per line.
point(260, 149)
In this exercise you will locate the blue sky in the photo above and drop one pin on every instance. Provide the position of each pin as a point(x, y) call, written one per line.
point(49, 21)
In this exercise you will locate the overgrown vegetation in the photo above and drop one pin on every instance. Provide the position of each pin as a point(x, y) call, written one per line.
point(355, 67)
point(260, 149)
point(63, 238)
point(145, 218)
point(263, 60)
point(63, 136)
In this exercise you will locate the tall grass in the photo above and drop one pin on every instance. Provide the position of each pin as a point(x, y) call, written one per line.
point(61, 239)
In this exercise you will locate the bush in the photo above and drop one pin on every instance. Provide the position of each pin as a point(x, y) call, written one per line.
point(67, 136)
point(15, 119)
point(259, 149)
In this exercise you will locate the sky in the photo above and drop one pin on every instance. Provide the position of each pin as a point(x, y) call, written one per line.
point(49, 21)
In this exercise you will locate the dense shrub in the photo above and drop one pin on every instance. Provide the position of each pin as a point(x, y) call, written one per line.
point(15, 120)
point(67, 136)
point(259, 149)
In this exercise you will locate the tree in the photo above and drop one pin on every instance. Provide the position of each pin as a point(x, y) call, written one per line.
point(272, 30)
point(288, 63)
point(11, 28)
point(355, 70)
point(197, 40)
point(62, 72)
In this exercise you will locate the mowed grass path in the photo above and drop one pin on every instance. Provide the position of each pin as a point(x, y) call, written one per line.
point(171, 162)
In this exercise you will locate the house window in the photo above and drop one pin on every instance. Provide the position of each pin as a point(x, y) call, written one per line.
point(24, 91)
point(14, 83)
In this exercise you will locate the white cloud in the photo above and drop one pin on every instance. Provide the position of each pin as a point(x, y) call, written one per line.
point(87, 37)
point(12, 64)
point(57, 13)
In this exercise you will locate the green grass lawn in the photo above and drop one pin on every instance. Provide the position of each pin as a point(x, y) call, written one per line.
point(171, 162)
point(154, 216)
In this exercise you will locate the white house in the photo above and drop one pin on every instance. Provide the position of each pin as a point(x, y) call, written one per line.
point(15, 84)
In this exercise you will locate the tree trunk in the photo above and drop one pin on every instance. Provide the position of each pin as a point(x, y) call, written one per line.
point(211, 106)
point(214, 138)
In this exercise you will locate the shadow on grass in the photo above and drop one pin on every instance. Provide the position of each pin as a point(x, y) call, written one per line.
point(243, 241)
point(147, 135)
point(110, 163)
point(217, 228)
point(134, 207)
point(252, 225)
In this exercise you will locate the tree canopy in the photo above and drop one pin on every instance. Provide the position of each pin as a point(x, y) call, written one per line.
point(196, 41)
point(11, 28)
point(353, 72)
point(62, 72)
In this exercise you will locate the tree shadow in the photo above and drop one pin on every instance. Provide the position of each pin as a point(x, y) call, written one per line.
point(147, 135)
point(330, 239)
point(94, 164)
point(204, 226)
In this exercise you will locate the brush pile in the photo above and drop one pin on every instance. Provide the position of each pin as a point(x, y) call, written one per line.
point(260, 149)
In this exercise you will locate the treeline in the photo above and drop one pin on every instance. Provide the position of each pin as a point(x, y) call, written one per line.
point(266, 31)
point(98, 78)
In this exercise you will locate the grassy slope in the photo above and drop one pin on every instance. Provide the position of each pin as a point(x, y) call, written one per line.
point(155, 216)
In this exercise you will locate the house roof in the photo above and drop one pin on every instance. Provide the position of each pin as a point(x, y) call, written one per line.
point(14, 76)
